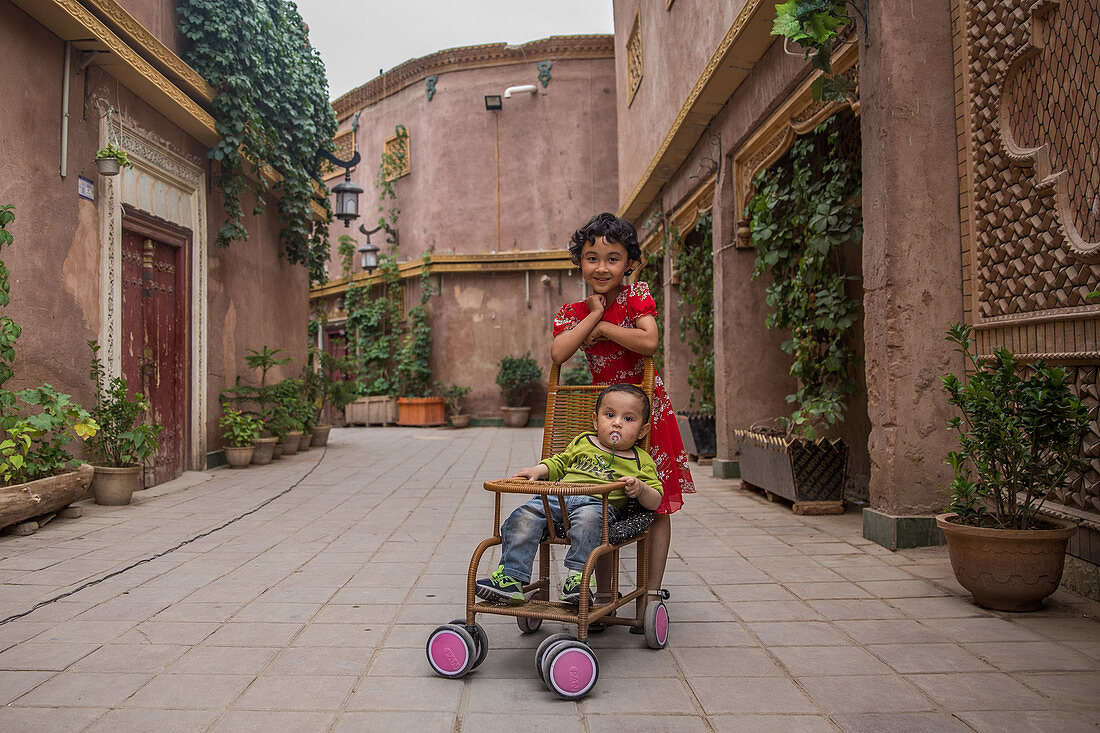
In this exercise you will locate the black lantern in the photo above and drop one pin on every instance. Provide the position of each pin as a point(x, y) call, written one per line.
point(347, 199)
point(368, 254)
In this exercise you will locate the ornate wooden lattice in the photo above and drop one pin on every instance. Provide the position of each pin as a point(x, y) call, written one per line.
point(634, 65)
point(1029, 171)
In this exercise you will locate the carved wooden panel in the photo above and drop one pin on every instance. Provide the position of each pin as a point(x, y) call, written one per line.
point(634, 65)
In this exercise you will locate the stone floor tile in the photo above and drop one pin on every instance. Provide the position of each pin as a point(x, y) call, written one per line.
point(1067, 689)
point(725, 662)
point(161, 721)
point(648, 695)
point(327, 660)
point(1064, 628)
point(901, 588)
point(774, 611)
point(83, 689)
point(1029, 721)
point(168, 632)
point(1034, 656)
point(19, 719)
point(258, 633)
point(190, 691)
point(431, 694)
point(899, 723)
point(983, 629)
point(633, 723)
point(980, 691)
point(797, 633)
point(255, 721)
point(224, 660)
point(859, 608)
point(902, 631)
point(725, 695)
point(754, 592)
point(80, 632)
point(152, 658)
point(827, 590)
point(13, 684)
point(817, 661)
point(865, 694)
point(188, 611)
point(929, 608)
point(913, 658)
point(349, 635)
point(49, 656)
point(358, 613)
point(711, 635)
point(437, 723)
point(291, 692)
point(277, 612)
point(771, 724)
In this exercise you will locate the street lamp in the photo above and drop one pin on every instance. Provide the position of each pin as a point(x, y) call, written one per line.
point(368, 254)
point(347, 193)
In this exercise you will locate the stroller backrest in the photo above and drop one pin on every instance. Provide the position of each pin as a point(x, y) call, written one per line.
point(569, 409)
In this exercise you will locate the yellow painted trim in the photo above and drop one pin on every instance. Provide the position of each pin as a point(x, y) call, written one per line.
point(71, 21)
point(451, 263)
point(153, 48)
point(747, 39)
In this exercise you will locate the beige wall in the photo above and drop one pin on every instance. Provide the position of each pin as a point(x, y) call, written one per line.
point(557, 167)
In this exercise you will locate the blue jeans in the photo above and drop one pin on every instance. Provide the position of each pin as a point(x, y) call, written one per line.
point(522, 531)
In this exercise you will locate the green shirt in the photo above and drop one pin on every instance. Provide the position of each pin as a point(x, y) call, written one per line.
point(584, 462)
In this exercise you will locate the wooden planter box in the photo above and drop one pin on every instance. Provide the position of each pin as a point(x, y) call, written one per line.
point(420, 412)
point(808, 473)
point(376, 410)
point(21, 502)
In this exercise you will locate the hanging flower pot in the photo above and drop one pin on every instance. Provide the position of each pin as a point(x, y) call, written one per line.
point(108, 166)
point(111, 160)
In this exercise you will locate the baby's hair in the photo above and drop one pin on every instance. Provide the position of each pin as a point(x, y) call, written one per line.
point(631, 389)
point(611, 228)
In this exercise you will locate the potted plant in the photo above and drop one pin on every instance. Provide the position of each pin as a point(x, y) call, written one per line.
point(240, 431)
point(1019, 439)
point(37, 474)
point(453, 396)
point(284, 415)
point(111, 160)
point(417, 406)
point(801, 213)
point(261, 398)
point(517, 376)
point(123, 443)
point(695, 263)
point(334, 387)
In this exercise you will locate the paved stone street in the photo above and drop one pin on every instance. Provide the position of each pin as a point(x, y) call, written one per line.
point(311, 613)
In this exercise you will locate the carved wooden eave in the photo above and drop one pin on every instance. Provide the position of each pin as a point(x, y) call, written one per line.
point(798, 115)
point(731, 63)
point(542, 260)
point(684, 217)
point(71, 21)
point(472, 57)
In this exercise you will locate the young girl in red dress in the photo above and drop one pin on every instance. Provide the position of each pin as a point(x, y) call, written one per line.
point(616, 327)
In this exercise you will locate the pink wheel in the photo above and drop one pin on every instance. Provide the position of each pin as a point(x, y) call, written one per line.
point(528, 625)
point(571, 669)
point(451, 651)
point(656, 625)
point(544, 647)
point(481, 641)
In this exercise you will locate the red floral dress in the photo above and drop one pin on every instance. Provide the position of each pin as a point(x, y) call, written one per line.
point(611, 363)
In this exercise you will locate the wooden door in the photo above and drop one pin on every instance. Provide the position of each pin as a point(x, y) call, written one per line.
point(155, 338)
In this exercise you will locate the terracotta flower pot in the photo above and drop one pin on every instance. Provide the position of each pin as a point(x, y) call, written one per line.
point(264, 451)
point(238, 456)
point(290, 442)
point(305, 441)
point(516, 417)
point(320, 435)
point(460, 421)
point(1007, 569)
point(115, 486)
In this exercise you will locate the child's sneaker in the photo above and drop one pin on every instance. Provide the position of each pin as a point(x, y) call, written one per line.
point(500, 588)
point(571, 591)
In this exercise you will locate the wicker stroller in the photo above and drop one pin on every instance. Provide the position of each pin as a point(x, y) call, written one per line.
point(566, 663)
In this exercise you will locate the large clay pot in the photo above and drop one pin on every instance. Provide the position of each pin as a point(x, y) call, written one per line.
point(305, 440)
point(264, 450)
point(516, 417)
point(290, 442)
point(239, 456)
point(460, 421)
point(115, 486)
point(1007, 569)
point(21, 502)
point(320, 435)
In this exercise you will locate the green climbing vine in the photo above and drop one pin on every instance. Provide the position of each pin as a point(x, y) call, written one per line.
point(414, 366)
point(695, 263)
point(271, 108)
point(805, 207)
point(814, 24)
point(653, 272)
point(374, 326)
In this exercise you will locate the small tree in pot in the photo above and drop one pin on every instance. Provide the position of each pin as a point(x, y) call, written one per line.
point(453, 396)
point(123, 443)
point(240, 431)
point(1019, 435)
point(517, 376)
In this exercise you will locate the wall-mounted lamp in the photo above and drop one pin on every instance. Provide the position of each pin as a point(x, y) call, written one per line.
point(368, 255)
point(347, 193)
point(493, 102)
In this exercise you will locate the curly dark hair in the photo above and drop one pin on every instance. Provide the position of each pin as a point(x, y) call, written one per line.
point(611, 228)
point(631, 389)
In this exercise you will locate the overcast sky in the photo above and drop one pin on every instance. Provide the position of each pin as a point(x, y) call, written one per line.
point(356, 38)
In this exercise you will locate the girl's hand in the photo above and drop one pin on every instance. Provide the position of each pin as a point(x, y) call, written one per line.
point(596, 334)
point(596, 303)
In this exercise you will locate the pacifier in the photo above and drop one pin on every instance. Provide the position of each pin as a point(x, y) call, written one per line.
point(615, 438)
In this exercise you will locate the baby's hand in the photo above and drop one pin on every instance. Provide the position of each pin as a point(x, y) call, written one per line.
point(531, 473)
point(633, 486)
point(596, 303)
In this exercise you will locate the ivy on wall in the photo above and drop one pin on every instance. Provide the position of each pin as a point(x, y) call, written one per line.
point(804, 208)
point(695, 262)
point(272, 108)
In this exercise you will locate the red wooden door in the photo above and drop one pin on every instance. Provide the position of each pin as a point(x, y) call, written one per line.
point(154, 342)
